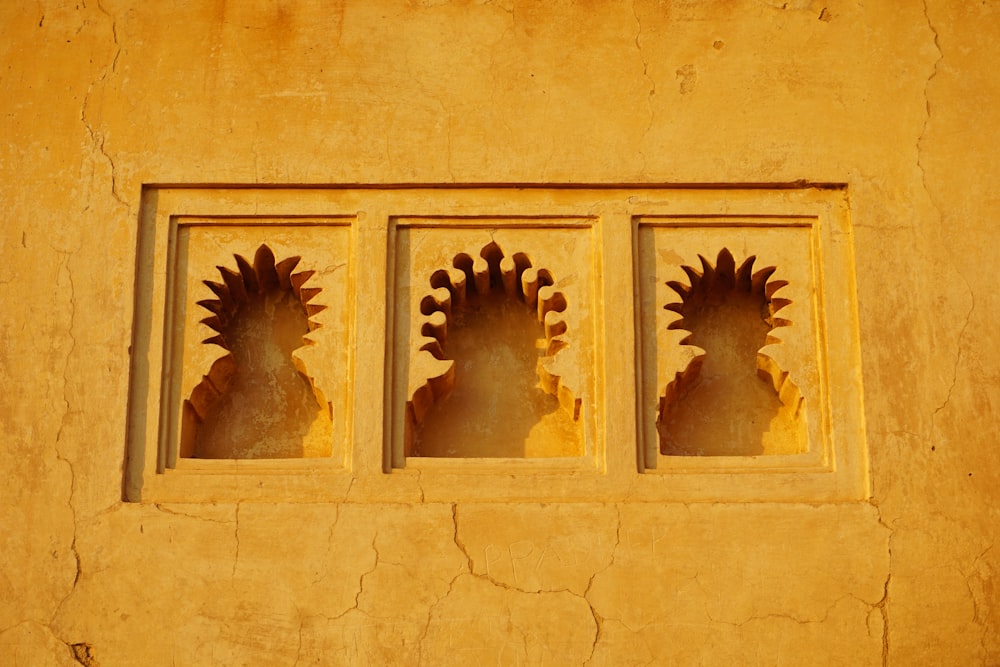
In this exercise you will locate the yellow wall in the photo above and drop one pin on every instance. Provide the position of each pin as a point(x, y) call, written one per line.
point(893, 99)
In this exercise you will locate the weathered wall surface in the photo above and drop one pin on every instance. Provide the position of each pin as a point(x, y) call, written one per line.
point(895, 99)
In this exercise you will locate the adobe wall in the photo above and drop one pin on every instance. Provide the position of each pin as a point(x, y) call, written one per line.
point(894, 101)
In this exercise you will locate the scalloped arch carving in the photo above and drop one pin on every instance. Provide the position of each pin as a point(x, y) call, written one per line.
point(483, 382)
point(733, 398)
point(258, 401)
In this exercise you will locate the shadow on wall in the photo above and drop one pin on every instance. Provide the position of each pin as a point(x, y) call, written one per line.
point(257, 401)
point(725, 402)
point(498, 323)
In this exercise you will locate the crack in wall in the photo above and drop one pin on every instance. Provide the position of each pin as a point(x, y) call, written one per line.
point(652, 86)
point(958, 355)
point(754, 616)
point(590, 583)
point(883, 604)
point(298, 649)
point(361, 584)
point(975, 614)
point(357, 598)
point(458, 540)
point(486, 576)
point(329, 544)
point(161, 508)
point(67, 413)
point(957, 267)
point(451, 584)
point(927, 104)
point(598, 621)
point(430, 616)
point(921, 140)
point(978, 617)
point(598, 632)
point(434, 606)
point(959, 339)
point(97, 138)
point(883, 607)
point(236, 536)
point(513, 589)
point(420, 485)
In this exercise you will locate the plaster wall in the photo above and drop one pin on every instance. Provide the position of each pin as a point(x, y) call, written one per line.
point(894, 99)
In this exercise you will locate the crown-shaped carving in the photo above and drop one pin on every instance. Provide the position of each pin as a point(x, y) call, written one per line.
point(264, 281)
point(262, 313)
point(432, 373)
point(713, 285)
point(723, 299)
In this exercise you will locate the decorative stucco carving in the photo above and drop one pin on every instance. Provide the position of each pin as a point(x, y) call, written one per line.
point(258, 400)
point(715, 405)
point(481, 281)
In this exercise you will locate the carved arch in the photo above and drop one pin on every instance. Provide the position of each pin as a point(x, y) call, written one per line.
point(276, 297)
point(708, 287)
point(492, 271)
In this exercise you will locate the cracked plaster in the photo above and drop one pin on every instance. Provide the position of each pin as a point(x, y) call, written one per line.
point(897, 104)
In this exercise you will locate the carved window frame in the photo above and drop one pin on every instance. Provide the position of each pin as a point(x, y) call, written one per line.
point(619, 464)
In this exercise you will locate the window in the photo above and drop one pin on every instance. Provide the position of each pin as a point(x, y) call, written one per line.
point(571, 343)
